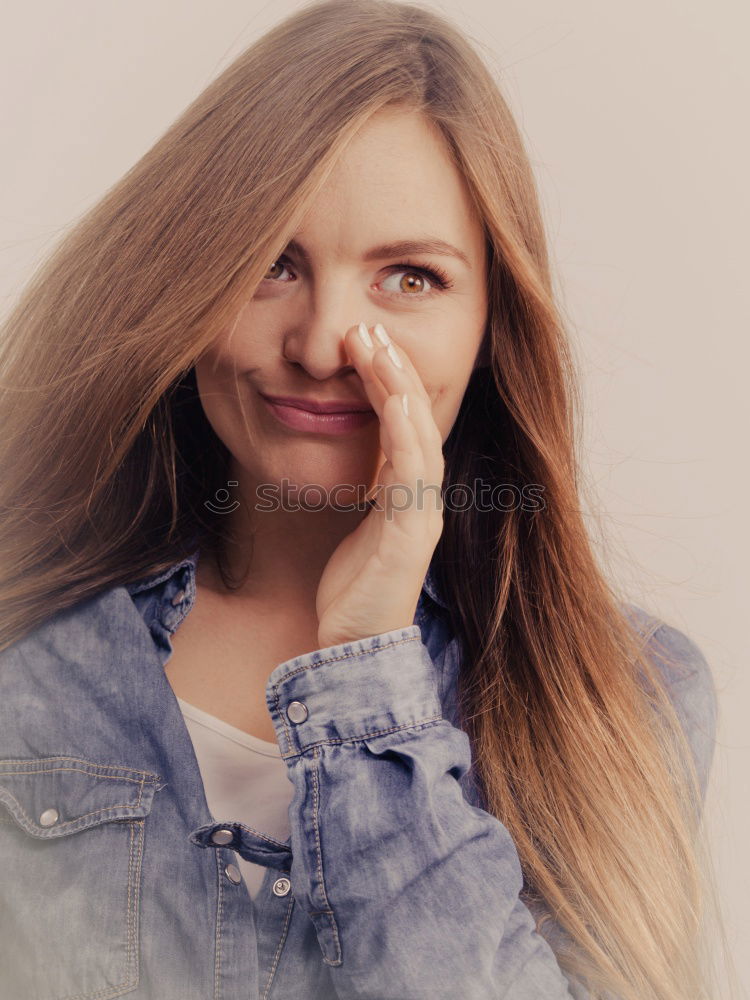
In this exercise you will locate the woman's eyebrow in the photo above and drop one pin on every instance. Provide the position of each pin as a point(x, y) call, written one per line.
point(399, 248)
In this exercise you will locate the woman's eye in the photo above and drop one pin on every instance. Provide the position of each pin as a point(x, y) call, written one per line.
point(410, 282)
point(414, 282)
point(274, 266)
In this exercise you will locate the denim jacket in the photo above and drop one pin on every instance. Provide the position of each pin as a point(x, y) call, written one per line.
point(395, 883)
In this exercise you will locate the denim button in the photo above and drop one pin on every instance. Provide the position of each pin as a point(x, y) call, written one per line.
point(178, 597)
point(232, 872)
point(281, 886)
point(296, 711)
point(49, 817)
point(222, 837)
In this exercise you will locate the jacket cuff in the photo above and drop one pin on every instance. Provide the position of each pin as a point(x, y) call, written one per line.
point(353, 690)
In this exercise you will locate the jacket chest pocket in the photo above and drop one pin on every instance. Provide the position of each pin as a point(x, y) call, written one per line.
point(71, 845)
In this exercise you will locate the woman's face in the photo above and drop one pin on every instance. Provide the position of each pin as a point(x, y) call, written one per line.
point(394, 184)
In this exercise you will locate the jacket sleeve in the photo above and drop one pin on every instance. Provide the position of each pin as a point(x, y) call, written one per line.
point(413, 892)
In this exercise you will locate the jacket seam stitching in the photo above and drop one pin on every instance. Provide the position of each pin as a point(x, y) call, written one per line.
point(257, 833)
point(219, 920)
point(279, 949)
point(76, 819)
point(319, 854)
point(338, 740)
point(82, 770)
point(58, 770)
point(347, 656)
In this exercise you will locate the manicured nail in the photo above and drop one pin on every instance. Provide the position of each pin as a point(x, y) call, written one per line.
point(364, 335)
point(405, 403)
point(382, 336)
point(391, 352)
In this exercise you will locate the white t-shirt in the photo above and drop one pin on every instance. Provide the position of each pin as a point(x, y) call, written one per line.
point(244, 778)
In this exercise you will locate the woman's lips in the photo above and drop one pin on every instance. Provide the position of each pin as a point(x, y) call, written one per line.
point(319, 423)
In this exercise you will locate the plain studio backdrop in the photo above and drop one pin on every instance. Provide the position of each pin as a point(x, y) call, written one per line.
point(635, 117)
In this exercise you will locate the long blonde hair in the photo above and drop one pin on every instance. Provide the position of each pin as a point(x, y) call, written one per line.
point(106, 460)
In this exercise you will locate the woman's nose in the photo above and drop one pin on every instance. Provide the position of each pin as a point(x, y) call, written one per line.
point(317, 345)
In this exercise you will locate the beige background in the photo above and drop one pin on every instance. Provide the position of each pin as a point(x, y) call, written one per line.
point(636, 120)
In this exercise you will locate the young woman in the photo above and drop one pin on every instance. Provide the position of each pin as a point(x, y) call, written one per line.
point(308, 704)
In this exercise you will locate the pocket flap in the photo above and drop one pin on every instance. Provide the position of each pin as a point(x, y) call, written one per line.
point(54, 796)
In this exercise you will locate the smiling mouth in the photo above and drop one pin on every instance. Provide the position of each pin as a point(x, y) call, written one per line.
point(295, 417)
point(320, 406)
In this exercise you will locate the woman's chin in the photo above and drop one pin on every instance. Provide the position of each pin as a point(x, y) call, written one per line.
point(316, 488)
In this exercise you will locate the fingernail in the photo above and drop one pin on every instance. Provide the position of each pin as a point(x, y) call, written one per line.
point(405, 403)
point(364, 335)
point(391, 352)
point(382, 336)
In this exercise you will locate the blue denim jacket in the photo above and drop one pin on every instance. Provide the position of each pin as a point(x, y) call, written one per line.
point(395, 884)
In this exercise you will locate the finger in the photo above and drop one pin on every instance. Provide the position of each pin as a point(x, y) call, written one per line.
point(361, 354)
point(382, 377)
point(431, 484)
point(405, 468)
point(416, 385)
point(397, 381)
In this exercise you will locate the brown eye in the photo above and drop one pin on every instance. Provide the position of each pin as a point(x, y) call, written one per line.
point(276, 264)
point(416, 282)
point(411, 281)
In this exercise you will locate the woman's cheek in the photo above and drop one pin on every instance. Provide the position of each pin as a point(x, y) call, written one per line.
point(443, 412)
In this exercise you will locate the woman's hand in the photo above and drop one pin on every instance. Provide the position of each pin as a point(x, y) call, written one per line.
point(371, 583)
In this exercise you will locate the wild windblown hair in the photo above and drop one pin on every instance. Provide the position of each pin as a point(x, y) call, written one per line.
point(106, 460)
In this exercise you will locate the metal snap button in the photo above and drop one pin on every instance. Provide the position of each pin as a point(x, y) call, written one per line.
point(281, 886)
point(178, 597)
point(296, 711)
point(232, 872)
point(49, 817)
point(222, 837)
